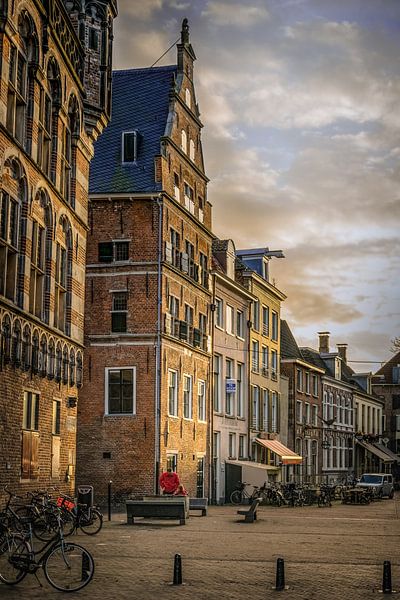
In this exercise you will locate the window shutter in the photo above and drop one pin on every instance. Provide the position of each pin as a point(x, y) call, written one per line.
point(168, 252)
point(184, 262)
point(34, 455)
point(55, 456)
point(35, 401)
point(26, 455)
point(278, 412)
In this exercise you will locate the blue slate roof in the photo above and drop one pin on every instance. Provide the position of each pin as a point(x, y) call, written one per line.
point(140, 101)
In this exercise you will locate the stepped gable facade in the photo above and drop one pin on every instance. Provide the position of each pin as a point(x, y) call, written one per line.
point(148, 291)
point(53, 105)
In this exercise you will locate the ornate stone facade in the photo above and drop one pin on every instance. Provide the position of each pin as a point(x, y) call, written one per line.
point(49, 120)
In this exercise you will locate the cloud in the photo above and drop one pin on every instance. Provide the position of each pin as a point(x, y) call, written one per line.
point(234, 14)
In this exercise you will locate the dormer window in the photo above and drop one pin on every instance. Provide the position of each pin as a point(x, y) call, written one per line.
point(188, 98)
point(130, 145)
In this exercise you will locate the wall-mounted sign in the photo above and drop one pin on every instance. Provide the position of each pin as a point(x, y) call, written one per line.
point(230, 386)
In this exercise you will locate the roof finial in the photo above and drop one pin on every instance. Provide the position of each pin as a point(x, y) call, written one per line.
point(185, 32)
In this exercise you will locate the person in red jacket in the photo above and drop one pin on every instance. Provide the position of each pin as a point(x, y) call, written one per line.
point(169, 482)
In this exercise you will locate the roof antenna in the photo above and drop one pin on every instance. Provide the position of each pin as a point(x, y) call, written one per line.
point(162, 55)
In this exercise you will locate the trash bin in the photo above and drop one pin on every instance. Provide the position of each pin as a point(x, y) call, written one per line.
point(85, 495)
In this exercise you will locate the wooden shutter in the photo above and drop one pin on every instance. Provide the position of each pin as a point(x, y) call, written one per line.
point(34, 455)
point(55, 456)
point(26, 455)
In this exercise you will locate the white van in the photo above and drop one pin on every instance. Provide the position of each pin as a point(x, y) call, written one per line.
point(380, 483)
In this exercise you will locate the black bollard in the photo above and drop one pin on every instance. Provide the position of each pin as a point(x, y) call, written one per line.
point(280, 575)
point(177, 570)
point(109, 500)
point(387, 577)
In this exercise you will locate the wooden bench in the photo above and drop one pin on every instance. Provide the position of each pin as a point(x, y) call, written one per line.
point(156, 509)
point(199, 504)
point(250, 515)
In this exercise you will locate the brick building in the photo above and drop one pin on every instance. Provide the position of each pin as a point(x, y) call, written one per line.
point(304, 408)
point(148, 293)
point(52, 107)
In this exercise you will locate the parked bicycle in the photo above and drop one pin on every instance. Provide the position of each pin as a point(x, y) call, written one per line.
point(67, 566)
point(325, 495)
point(241, 495)
point(87, 518)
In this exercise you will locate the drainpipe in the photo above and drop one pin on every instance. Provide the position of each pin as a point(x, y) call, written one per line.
point(211, 471)
point(157, 395)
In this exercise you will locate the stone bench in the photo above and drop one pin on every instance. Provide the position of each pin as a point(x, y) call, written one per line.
point(199, 504)
point(168, 498)
point(250, 515)
point(156, 509)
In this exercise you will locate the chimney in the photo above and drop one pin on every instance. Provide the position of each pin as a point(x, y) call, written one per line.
point(342, 349)
point(323, 342)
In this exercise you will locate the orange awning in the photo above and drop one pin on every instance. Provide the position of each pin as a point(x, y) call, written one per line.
point(288, 457)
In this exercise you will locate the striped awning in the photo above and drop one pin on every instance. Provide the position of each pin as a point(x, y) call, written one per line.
point(383, 453)
point(288, 457)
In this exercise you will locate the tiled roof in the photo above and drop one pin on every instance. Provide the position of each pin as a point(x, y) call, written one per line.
point(140, 102)
point(387, 368)
point(289, 347)
point(313, 357)
point(220, 245)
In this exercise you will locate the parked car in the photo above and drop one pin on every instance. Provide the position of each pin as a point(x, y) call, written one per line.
point(380, 483)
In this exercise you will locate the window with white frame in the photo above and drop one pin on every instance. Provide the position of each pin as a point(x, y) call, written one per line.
point(299, 411)
point(255, 364)
point(177, 187)
point(299, 380)
point(255, 407)
point(315, 415)
point(184, 141)
point(201, 400)
point(119, 312)
point(229, 319)
point(264, 360)
point(265, 408)
point(274, 411)
point(188, 98)
point(275, 326)
point(256, 315)
point(307, 409)
point(265, 320)
point(172, 393)
point(187, 397)
point(130, 145)
point(232, 445)
point(219, 316)
point(307, 376)
point(242, 447)
point(240, 323)
point(217, 382)
point(315, 385)
point(191, 150)
point(240, 390)
point(173, 306)
point(274, 362)
point(229, 394)
point(120, 391)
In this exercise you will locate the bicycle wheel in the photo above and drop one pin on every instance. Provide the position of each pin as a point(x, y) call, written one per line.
point(69, 567)
point(68, 522)
point(45, 526)
point(14, 554)
point(236, 497)
point(91, 524)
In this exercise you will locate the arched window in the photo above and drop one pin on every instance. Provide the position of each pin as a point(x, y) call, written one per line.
point(16, 344)
point(49, 108)
point(6, 332)
point(65, 366)
point(191, 150)
point(41, 252)
point(188, 98)
point(72, 368)
point(70, 136)
point(26, 349)
point(13, 220)
point(43, 357)
point(184, 141)
point(51, 359)
point(21, 76)
point(63, 278)
point(58, 363)
point(79, 379)
point(35, 352)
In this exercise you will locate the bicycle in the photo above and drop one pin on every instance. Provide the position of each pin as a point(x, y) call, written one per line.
point(67, 566)
point(324, 498)
point(87, 518)
point(240, 494)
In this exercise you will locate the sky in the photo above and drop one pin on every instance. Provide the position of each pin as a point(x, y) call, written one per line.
point(300, 105)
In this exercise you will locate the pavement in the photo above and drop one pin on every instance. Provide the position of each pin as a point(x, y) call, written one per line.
point(332, 553)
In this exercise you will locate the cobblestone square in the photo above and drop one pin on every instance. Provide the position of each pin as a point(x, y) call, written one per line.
point(329, 553)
